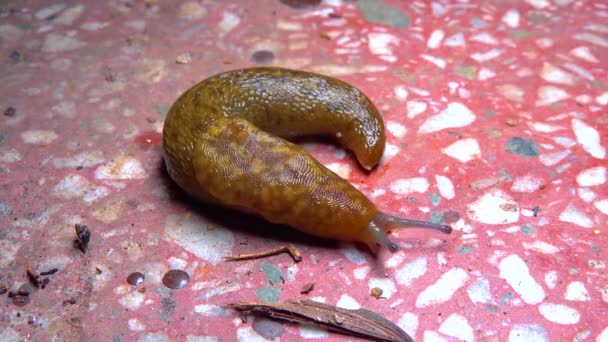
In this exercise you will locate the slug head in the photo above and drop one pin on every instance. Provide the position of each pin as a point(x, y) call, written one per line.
point(376, 231)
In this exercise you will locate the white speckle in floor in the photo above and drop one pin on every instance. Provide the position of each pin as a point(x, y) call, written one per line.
point(341, 169)
point(494, 207)
point(377, 193)
point(585, 54)
point(381, 43)
point(292, 271)
point(455, 115)
point(511, 18)
point(553, 74)
point(122, 167)
point(386, 284)
point(454, 40)
point(153, 337)
point(136, 325)
point(432, 336)
point(484, 37)
point(550, 94)
point(312, 332)
point(133, 300)
point(229, 22)
point(442, 290)
point(193, 338)
point(394, 260)
point(210, 310)
point(439, 62)
point(540, 247)
point(558, 313)
point(409, 185)
point(76, 186)
point(177, 263)
point(564, 141)
point(58, 43)
point(602, 99)
point(353, 254)
point(485, 74)
point(589, 138)
point(481, 57)
point(435, 39)
point(592, 176)
point(576, 291)
point(10, 156)
point(50, 11)
point(197, 237)
point(400, 92)
point(38, 137)
point(592, 38)
point(512, 92)
point(572, 215)
point(441, 260)
point(415, 108)
point(479, 291)
point(390, 151)
point(463, 150)
point(348, 302)
point(603, 336)
point(361, 272)
point(602, 205)
point(410, 271)
point(82, 159)
point(586, 194)
point(457, 326)
point(247, 334)
point(550, 159)
point(221, 290)
point(545, 128)
point(516, 273)
point(527, 183)
point(528, 333)
point(191, 11)
point(409, 323)
point(396, 129)
point(445, 186)
point(551, 279)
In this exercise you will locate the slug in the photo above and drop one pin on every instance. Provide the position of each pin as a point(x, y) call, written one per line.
point(224, 142)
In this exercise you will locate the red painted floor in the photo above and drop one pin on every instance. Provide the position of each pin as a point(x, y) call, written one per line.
point(497, 124)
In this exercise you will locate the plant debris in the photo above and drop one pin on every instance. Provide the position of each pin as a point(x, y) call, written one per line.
point(307, 288)
point(291, 249)
point(37, 279)
point(21, 297)
point(10, 112)
point(361, 322)
point(83, 235)
point(376, 292)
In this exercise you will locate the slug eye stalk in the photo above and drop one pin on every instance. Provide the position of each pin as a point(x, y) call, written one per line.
point(382, 223)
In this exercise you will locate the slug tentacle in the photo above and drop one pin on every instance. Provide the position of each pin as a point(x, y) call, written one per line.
point(377, 229)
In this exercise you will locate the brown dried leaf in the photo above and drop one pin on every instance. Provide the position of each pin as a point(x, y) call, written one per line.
point(361, 322)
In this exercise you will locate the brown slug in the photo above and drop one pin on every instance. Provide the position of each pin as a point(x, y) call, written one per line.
point(223, 142)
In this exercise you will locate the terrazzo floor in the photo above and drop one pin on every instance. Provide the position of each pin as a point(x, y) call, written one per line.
point(497, 122)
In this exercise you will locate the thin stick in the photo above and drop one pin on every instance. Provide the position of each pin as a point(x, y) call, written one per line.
point(291, 249)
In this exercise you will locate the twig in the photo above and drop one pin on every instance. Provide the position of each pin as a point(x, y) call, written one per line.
point(291, 249)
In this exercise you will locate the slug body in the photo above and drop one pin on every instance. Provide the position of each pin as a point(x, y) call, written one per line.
point(224, 142)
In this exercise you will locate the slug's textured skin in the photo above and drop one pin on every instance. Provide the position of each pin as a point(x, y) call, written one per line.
point(224, 142)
